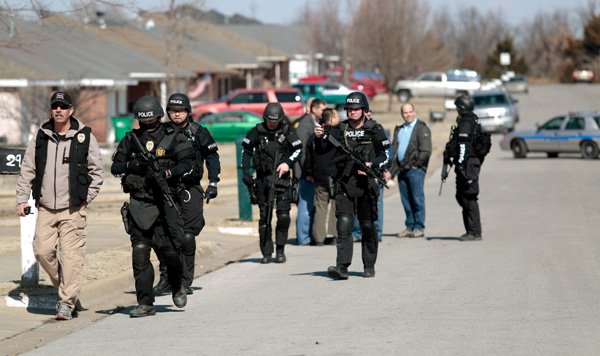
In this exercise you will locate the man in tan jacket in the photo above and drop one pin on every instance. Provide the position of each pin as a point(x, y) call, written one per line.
point(62, 169)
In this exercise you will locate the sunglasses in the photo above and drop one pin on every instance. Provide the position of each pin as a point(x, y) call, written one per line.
point(60, 105)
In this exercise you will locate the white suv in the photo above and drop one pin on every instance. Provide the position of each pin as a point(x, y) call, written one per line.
point(497, 110)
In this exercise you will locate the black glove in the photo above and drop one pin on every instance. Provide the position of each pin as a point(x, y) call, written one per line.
point(248, 180)
point(136, 166)
point(211, 193)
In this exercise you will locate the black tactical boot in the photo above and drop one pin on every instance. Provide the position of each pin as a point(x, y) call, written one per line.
point(338, 272)
point(280, 257)
point(470, 237)
point(162, 287)
point(266, 259)
point(180, 298)
point(141, 311)
point(369, 272)
point(189, 290)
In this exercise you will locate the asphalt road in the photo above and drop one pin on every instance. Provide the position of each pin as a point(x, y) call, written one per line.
point(530, 287)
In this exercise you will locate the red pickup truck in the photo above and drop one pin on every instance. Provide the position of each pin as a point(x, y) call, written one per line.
point(255, 100)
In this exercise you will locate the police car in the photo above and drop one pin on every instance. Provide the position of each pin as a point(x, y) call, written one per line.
point(569, 133)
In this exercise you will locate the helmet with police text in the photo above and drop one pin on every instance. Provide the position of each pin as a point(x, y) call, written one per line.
point(464, 104)
point(147, 108)
point(179, 101)
point(357, 99)
point(273, 112)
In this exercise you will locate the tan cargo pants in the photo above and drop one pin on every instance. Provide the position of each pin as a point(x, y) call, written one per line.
point(325, 221)
point(59, 247)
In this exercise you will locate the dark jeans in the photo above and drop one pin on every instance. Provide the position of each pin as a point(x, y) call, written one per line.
point(412, 194)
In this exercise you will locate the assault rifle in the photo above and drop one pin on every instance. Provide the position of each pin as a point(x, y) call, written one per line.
point(157, 172)
point(271, 183)
point(446, 166)
point(362, 166)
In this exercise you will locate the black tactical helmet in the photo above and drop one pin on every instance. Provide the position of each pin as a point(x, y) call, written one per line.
point(273, 112)
point(357, 99)
point(147, 108)
point(464, 104)
point(179, 101)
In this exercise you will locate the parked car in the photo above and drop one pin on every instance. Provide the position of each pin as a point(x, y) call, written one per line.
point(255, 100)
point(569, 133)
point(438, 84)
point(516, 84)
point(226, 126)
point(373, 79)
point(583, 75)
point(333, 93)
point(365, 87)
point(497, 110)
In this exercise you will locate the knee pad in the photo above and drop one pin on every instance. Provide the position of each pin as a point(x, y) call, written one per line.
point(188, 244)
point(283, 218)
point(344, 226)
point(140, 255)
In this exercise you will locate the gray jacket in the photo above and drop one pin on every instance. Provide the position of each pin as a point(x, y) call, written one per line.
point(304, 127)
point(418, 150)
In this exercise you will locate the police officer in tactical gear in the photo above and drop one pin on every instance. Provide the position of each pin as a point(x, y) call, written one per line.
point(460, 152)
point(152, 216)
point(273, 147)
point(357, 192)
point(192, 195)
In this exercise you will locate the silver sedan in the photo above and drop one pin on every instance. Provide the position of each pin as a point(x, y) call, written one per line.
point(570, 133)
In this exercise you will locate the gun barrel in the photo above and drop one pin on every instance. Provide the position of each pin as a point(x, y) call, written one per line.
point(363, 167)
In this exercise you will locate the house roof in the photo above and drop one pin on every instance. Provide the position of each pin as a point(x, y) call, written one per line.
point(210, 41)
point(63, 48)
point(274, 39)
point(58, 49)
point(152, 44)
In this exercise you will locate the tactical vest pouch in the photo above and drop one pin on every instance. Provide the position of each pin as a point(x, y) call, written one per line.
point(84, 180)
point(144, 214)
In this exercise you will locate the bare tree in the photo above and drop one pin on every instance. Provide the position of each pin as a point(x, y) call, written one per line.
point(387, 36)
point(325, 31)
point(547, 37)
point(474, 36)
point(174, 43)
